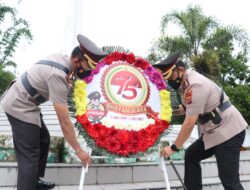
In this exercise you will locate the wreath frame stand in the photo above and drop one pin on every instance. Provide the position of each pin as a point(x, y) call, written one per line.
point(162, 166)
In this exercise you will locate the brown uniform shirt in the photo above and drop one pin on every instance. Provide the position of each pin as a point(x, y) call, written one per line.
point(201, 95)
point(50, 82)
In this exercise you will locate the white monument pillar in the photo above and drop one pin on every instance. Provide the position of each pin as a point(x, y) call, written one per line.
point(73, 25)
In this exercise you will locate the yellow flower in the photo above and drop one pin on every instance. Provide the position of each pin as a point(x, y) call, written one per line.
point(166, 109)
point(80, 97)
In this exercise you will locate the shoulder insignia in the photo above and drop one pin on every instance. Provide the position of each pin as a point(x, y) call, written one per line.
point(186, 84)
point(188, 96)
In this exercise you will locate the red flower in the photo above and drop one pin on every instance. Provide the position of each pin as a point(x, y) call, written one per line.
point(112, 57)
point(141, 63)
point(82, 119)
point(123, 142)
point(130, 58)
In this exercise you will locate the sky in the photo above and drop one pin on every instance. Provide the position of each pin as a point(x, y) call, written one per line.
point(132, 24)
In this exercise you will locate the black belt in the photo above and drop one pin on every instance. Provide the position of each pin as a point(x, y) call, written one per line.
point(31, 90)
point(213, 115)
point(224, 106)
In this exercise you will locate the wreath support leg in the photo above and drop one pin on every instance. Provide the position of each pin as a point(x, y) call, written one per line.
point(164, 170)
point(84, 171)
point(162, 165)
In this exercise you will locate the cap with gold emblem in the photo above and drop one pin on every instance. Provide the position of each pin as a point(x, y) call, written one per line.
point(91, 51)
point(167, 65)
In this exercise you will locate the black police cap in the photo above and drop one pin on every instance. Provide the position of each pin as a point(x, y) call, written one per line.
point(168, 63)
point(90, 48)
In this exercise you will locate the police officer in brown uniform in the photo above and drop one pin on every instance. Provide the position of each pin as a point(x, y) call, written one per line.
point(221, 125)
point(48, 79)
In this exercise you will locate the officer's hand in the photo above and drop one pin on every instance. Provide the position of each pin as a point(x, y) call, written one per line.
point(178, 110)
point(182, 110)
point(84, 157)
point(166, 152)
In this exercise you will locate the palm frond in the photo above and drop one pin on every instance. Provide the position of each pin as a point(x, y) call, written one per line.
point(6, 10)
point(111, 49)
point(240, 35)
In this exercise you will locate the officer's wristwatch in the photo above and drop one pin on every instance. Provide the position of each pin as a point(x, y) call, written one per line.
point(174, 148)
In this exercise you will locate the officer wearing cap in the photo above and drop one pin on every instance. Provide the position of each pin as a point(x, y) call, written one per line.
point(48, 79)
point(221, 124)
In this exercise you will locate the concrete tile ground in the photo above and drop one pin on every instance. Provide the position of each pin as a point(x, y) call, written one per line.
point(75, 187)
point(102, 187)
point(209, 184)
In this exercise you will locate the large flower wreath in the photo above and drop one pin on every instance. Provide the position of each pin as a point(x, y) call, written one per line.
point(114, 139)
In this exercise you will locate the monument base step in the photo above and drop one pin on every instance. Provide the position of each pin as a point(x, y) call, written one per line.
point(139, 175)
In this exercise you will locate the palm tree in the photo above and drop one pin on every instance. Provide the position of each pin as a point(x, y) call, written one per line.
point(194, 26)
point(202, 40)
point(232, 65)
point(5, 10)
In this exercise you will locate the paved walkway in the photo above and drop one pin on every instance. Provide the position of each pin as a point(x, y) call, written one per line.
point(208, 184)
point(56, 188)
point(92, 187)
point(128, 186)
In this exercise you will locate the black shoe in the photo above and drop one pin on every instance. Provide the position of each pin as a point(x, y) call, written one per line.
point(44, 185)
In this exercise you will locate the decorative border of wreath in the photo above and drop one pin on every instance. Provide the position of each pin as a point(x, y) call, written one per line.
point(119, 141)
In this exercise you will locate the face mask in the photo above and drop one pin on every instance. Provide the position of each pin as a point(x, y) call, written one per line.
point(81, 73)
point(175, 84)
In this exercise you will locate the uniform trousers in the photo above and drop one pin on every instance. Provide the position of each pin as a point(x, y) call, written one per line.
point(31, 144)
point(227, 155)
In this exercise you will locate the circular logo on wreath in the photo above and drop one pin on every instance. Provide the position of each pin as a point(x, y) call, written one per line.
point(125, 85)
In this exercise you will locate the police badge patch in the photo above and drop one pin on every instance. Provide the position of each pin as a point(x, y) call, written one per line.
point(188, 96)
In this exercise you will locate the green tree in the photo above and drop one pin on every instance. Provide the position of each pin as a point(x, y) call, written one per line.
point(240, 97)
point(233, 66)
point(10, 35)
point(5, 77)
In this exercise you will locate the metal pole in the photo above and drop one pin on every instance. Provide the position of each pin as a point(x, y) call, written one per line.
point(178, 175)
